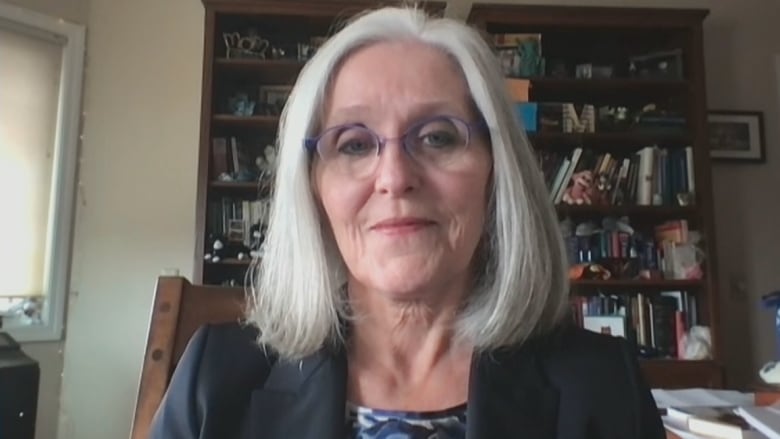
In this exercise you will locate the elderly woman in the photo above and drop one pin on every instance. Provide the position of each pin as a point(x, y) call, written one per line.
point(414, 281)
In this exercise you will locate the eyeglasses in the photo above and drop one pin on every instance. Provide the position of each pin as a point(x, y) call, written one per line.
point(353, 149)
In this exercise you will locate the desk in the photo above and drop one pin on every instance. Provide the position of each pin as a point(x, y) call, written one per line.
point(761, 398)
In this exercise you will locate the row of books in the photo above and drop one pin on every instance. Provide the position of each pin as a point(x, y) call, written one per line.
point(652, 176)
point(233, 218)
point(655, 324)
point(648, 249)
point(227, 156)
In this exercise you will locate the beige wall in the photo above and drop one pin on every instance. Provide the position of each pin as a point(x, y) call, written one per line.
point(50, 354)
point(136, 200)
point(742, 40)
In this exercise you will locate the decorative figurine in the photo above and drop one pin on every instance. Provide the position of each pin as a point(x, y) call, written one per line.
point(579, 191)
point(770, 373)
point(250, 46)
point(600, 192)
point(240, 104)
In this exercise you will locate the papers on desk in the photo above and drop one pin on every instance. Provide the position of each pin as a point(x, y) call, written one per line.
point(764, 419)
point(701, 398)
point(683, 405)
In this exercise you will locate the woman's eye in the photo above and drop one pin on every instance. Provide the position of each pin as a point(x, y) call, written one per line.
point(438, 138)
point(355, 147)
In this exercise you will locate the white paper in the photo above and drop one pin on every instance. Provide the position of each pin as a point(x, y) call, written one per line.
point(701, 397)
point(764, 419)
point(679, 428)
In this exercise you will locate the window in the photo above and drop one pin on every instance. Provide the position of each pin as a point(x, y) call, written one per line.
point(41, 69)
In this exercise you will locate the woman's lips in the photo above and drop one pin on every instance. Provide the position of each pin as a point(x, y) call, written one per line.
point(401, 225)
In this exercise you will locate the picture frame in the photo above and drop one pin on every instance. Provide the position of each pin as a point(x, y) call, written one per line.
point(273, 98)
point(736, 136)
point(614, 325)
point(274, 94)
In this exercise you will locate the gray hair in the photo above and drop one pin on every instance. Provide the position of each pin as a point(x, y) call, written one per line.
point(521, 288)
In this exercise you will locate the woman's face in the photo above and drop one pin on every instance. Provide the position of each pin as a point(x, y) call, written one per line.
point(408, 228)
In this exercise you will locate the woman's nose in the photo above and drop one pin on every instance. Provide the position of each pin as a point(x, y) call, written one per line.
point(396, 171)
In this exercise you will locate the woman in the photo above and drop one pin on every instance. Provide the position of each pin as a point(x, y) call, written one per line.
point(414, 283)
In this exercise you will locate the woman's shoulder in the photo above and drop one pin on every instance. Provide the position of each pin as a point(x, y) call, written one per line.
point(212, 383)
point(228, 350)
point(574, 356)
point(573, 345)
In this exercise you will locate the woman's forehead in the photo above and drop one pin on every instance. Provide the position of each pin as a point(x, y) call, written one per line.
point(396, 76)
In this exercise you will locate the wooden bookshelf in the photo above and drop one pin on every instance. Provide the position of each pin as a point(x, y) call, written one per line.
point(286, 25)
point(581, 32)
point(610, 36)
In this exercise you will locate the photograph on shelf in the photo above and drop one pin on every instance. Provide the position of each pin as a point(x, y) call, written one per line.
point(736, 135)
point(273, 98)
point(610, 325)
point(663, 65)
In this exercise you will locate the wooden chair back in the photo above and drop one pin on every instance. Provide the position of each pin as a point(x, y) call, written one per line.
point(179, 309)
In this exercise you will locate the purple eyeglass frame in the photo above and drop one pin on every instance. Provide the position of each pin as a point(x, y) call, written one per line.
point(310, 143)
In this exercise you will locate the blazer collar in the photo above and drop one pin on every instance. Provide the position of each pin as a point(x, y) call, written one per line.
point(305, 399)
point(508, 395)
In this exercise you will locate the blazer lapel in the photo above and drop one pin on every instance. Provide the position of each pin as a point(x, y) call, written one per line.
point(509, 398)
point(301, 400)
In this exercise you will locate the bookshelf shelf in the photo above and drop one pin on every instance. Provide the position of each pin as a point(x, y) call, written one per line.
point(670, 374)
point(627, 85)
point(268, 71)
point(230, 263)
point(287, 66)
point(235, 186)
point(609, 140)
point(231, 121)
point(645, 212)
point(659, 284)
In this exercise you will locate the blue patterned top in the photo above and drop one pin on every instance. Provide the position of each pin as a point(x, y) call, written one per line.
point(367, 423)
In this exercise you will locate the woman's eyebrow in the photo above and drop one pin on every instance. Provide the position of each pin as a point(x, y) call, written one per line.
point(369, 113)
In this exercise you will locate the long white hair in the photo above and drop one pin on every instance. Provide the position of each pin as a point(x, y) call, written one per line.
point(298, 298)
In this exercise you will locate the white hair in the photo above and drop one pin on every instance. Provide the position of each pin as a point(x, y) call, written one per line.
point(299, 301)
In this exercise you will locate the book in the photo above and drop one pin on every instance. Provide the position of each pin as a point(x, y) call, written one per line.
point(764, 419)
point(714, 422)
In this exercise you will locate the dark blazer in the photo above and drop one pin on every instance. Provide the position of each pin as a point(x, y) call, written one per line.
point(571, 384)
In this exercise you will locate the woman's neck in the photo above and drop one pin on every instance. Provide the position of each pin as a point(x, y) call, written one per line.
point(402, 348)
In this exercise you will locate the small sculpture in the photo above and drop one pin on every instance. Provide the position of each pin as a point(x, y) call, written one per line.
point(221, 248)
point(697, 343)
point(770, 373)
point(531, 61)
point(580, 190)
point(250, 46)
point(240, 104)
point(585, 122)
point(600, 192)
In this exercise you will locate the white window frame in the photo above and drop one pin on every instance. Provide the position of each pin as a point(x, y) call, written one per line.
point(57, 258)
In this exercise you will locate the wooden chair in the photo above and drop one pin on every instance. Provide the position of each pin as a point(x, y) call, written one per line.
point(179, 309)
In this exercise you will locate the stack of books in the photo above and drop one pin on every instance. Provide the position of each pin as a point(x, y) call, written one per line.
point(699, 413)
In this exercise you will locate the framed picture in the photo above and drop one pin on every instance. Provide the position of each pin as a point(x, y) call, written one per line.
point(614, 325)
point(274, 94)
point(736, 135)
